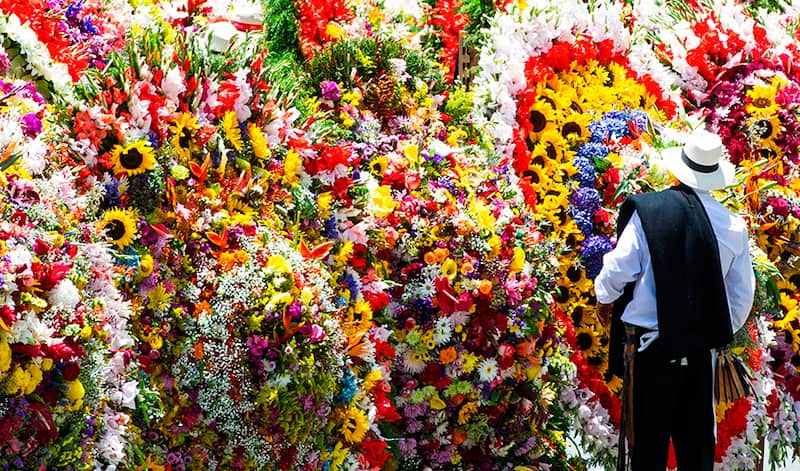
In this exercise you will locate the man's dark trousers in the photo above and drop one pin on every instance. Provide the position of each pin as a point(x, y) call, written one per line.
point(672, 399)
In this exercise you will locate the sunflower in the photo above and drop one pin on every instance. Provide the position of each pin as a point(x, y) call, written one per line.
point(230, 127)
point(134, 158)
point(764, 127)
point(587, 341)
point(183, 131)
point(577, 277)
point(542, 117)
point(355, 425)
point(789, 306)
point(615, 384)
point(762, 101)
point(579, 312)
point(575, 128)
point(119, 226)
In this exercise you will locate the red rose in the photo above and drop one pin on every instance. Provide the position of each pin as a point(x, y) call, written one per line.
point(70, 371)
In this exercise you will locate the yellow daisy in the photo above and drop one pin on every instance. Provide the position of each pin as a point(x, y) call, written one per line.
point(119, 226)
point(134, 158)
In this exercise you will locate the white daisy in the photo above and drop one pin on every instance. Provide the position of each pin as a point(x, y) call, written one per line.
point(487, 370)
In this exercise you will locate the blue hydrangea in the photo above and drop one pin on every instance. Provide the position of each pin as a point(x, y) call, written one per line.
point(592, 251)
point(587, 172)
point(591, 150)
point(608, 128)
point(586, 199)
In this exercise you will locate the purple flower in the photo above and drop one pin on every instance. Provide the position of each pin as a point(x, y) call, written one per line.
point(586, 199)
point(32, 125)
point(257, 345)
point(407, 447)
point(592, 251)
point(329, 90)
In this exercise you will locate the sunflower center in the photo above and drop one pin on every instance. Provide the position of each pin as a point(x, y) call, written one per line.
point(763, 128)
point(533, 176)
point(185, 139)
point(571, 128)
point(583, 341)
point(577, 315)
point(766, 153)
point(762, 102)
point(551, 151)
point(131, 159)
point(538, 120)
point(115, 229)
point(562, 296)
point(574, 274)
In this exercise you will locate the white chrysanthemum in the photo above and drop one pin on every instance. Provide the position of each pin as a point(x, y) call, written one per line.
point(487, 370)
point(64, 295)
point(413, 362)
point(31, 331)
point(442, 331)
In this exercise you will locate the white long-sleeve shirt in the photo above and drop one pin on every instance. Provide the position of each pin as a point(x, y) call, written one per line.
point(630, 261)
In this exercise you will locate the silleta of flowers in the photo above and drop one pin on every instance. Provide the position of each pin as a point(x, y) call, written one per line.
point(315, 244)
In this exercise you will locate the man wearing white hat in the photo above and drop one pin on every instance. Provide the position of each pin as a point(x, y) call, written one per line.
point(677, 285)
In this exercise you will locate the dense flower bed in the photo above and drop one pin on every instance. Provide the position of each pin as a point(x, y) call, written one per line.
point(310, 245)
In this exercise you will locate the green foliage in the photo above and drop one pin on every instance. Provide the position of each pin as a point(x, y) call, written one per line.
point(286, 78)
point(353, 61)
point(459, 106)
point(281, 28)
point(480, 12)
point(755, 7)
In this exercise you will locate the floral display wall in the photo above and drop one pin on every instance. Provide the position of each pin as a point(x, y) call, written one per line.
point(361, 235)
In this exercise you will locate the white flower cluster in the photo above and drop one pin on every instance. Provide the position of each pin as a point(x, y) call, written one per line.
point(120, 382)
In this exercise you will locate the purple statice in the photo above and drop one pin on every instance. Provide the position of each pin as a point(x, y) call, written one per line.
point(587, 172)
point(329, 90)
point(32, 125)
point(586, 199)
point(592, 251)
point(407, 447)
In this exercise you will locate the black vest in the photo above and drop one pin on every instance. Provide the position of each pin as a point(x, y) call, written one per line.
point(691, 303)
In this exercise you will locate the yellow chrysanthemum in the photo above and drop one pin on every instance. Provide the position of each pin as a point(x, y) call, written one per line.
point(159, 299)
point(5, 357)
point(230, 127)
point(133, 158)
point(354, 427)
point(291, 167)
point(119, 226)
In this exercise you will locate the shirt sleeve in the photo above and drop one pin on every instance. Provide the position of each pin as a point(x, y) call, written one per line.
point(740, 285)
point(623, 264)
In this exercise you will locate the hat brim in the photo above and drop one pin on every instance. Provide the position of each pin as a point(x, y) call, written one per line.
point(723, 177)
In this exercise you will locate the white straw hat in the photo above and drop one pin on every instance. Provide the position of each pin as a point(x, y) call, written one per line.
point(699, 162)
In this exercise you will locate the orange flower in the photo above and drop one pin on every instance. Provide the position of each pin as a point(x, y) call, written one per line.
point(448, 355)
point(198, 351)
